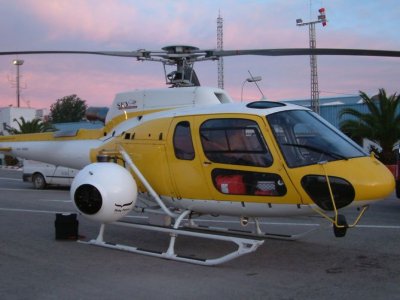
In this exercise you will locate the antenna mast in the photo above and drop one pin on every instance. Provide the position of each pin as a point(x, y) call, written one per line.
point(313, 58)
point(220, 46)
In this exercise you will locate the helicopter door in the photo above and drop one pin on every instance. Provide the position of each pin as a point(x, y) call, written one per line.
point(237, 161)
point(185, 167)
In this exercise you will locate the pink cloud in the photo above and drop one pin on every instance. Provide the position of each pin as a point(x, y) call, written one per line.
point(92, 20)
point(115, 22)
point(124, 25)
point(50, 78)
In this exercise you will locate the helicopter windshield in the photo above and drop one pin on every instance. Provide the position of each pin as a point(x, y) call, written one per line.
point(305, 139)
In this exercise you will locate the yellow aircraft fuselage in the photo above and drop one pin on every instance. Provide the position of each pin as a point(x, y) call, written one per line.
point(259, 159)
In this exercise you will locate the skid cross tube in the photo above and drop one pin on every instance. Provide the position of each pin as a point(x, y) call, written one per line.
point(245, 245)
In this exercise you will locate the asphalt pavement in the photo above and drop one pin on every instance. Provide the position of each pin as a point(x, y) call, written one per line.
point(365, 264)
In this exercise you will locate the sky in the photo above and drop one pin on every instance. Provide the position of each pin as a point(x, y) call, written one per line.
point(127, 25)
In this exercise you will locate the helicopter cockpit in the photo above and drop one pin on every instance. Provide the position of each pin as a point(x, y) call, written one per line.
point(305, 139)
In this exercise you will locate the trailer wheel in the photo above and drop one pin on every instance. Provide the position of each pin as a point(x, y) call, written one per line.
point(38, 181)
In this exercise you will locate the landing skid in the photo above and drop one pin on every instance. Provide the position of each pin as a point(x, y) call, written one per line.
point(244, 245)
point(249, 234)
point(257, 233)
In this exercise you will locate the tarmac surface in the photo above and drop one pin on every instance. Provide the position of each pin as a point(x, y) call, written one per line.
point(365, 264)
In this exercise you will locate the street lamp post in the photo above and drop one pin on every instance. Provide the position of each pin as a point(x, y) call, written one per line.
point(250, 79)
point(17, 63)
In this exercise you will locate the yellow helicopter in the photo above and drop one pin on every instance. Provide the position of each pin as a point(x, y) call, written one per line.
point(189, 150)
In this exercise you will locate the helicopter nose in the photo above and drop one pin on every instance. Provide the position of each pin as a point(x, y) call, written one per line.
point(371, 179)
point(366, 180)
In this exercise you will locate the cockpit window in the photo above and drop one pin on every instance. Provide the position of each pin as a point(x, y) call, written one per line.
point(305, 138)
point(234, 141)
point(183, 145)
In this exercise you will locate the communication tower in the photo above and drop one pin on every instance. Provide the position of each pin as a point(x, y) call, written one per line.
point(220, 46)
point(313, 58)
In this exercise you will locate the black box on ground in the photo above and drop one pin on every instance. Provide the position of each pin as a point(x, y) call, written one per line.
point(66, 227)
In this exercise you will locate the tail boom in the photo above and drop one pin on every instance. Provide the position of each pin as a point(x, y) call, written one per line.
point(69, 153)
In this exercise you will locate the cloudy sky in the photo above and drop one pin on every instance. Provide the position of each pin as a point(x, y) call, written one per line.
point(153, 24)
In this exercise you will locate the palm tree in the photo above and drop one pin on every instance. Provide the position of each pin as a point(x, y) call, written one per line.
point(34, 126)
point(381, 124)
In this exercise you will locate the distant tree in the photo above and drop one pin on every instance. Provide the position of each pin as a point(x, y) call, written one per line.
point(381, 124)
point(34, 126)
point(68, 109)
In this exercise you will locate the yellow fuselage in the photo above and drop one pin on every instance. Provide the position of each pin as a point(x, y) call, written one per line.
point(202, 181)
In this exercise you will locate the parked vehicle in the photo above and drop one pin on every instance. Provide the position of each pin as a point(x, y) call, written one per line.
point(43, 174)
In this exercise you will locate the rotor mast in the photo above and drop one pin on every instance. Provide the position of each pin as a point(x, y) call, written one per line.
point(313, 57)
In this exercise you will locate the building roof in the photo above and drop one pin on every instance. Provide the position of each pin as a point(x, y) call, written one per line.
point(345, 100)
point(330, 107)
point(78, 125)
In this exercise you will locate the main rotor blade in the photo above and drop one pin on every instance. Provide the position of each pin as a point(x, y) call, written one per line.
point(210, 54)
point(108, 53)
point(305, 51)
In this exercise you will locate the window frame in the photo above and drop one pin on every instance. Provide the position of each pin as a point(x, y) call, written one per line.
point(223, 151)
point(187, 141)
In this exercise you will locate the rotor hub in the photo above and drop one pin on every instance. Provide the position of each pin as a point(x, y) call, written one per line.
point(179, 49)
